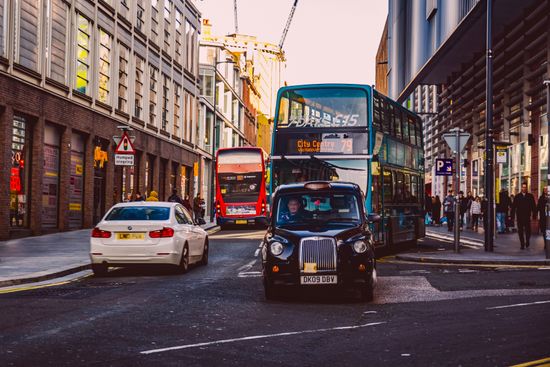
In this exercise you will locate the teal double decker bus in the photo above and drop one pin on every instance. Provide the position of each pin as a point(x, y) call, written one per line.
point(352, 133)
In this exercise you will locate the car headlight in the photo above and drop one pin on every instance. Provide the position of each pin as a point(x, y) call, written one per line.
point(276, 248)
point(360, 246)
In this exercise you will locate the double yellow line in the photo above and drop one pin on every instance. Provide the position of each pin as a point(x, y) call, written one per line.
point(545, 362)
point(31, 287)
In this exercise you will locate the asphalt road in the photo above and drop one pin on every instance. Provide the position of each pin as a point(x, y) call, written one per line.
point(422, 315)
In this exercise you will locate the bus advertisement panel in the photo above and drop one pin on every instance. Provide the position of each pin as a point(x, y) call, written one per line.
point(241, 186)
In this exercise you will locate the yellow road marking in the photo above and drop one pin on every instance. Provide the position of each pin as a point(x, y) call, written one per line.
point(392, 260)
point(31, 287)
point(545, 362)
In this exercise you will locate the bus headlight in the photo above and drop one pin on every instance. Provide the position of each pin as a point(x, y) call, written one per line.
point(359, 247)
point(276, 248)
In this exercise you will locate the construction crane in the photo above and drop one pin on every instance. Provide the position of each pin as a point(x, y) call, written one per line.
point(236, 18)
point(287, 26)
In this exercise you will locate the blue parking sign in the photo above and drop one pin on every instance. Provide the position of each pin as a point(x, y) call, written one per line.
point(443, 167)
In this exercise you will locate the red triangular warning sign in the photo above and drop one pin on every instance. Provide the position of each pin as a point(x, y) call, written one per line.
point(125, 145)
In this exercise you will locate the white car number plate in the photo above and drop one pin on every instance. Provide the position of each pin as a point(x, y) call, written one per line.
point(318, 279)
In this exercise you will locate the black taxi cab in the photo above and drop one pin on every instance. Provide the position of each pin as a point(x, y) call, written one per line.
point(319, 235)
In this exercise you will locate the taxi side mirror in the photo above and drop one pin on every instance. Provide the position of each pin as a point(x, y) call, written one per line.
point(374, 218)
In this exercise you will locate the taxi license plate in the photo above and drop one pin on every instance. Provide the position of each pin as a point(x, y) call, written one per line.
point(130, 236)
point(318, 279)
point(241, 221)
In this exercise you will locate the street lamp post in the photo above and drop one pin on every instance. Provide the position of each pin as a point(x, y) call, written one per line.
point(546, 237)
point(489, 174)
point(214, 137)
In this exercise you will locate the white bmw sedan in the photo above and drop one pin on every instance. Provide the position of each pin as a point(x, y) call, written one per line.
point(147, 233)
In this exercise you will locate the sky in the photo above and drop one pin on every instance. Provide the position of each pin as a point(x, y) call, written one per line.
point(329, 41)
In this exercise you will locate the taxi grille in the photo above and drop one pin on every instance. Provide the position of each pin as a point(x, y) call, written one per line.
point(320, 251)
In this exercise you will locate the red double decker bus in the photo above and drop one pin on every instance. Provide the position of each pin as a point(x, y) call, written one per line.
point(241, 188)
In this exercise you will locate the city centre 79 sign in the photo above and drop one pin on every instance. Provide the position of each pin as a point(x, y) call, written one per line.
point(443, 167)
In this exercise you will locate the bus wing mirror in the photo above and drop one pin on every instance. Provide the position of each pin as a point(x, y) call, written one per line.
point(374, 218)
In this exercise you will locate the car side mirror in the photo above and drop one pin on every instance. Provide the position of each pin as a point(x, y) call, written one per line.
point(374, 218)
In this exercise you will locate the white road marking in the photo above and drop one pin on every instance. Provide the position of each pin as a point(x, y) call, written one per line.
point(411, 288)
point(257, 252)
point(255, 337)
point(518, 305)
point(369, 312)
point(405, 355)
point(247, 266)
point(250, 274)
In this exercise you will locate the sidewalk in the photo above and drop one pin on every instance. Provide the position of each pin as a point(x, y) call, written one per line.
point(35, 259)
point(506, 249)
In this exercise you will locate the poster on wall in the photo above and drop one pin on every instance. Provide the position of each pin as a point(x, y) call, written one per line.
point(50, 186)
point(76, 189)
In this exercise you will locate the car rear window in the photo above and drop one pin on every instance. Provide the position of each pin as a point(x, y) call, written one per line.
point(139, 213)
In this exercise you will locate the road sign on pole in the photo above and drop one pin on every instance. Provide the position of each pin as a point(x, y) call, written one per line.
point(125, 145)
point(455, 141)
point(124, 159)
point(443, 167)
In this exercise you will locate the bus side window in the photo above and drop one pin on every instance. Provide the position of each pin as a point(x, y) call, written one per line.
point(412, 129)
point(406, 133)
point(377, 112)
point(386, 117)
point(388, 187)
point(407, 192)
point(396, 118)
point(398, 188)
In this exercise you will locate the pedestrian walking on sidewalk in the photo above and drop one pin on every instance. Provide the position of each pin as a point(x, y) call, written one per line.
point(475, 211)
point(153, 196)
point(449, 209)
point(463, 202)
point(523, 208)
point(138, 197)
point(175, 198)
point(502, 208)
point(541, 209)
point(436, 210)
point(469, 218)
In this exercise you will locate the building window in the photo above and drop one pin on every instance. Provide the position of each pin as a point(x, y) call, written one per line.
point(154, 21)
point(3, 30)
point(50, 179)
point(104, 85)
point(165, 100)
point(83, 55)
point(56, 39)
point(153, 75)
point(167, 24)
point(27, 33)
point(179, 37)
point(138, 102)
point(177, 109)
point(124, 5)
point(123, 56)
point(20, 175)
point(140, 12)
point(190, 47)
point(209, 122)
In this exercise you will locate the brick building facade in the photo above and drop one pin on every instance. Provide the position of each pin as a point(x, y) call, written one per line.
point(113, 65)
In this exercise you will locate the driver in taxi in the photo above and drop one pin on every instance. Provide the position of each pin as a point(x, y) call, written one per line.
point(295, 211)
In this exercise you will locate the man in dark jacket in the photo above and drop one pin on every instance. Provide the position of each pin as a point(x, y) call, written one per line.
point(524, 208)
point(502, 210)
point(175, 198)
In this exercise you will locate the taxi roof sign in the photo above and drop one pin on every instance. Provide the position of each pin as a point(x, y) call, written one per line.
point(125, 145)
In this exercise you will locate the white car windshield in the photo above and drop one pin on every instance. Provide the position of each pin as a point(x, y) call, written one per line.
point(139, 213)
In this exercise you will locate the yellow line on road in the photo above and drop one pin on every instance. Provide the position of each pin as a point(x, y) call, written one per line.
point(545, 362)
point(31, 287)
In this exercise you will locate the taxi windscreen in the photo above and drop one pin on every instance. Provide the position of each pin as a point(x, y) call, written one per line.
point(319, 207)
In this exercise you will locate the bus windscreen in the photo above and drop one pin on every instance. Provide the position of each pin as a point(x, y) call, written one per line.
point(323, 108)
